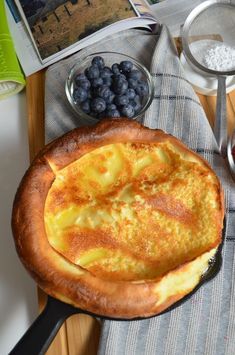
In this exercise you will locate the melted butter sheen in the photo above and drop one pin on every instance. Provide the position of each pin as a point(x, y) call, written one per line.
point(132, 211)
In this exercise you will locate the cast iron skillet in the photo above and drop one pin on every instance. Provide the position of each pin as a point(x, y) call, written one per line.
point(39, 336)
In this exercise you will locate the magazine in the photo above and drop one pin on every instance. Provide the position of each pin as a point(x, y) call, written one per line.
point(27, 20)
point(53, 29)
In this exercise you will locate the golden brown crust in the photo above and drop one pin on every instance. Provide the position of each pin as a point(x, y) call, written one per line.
point(67, 281)
point(80, 141)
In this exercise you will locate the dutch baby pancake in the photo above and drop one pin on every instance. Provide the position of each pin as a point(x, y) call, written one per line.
point(118, 219)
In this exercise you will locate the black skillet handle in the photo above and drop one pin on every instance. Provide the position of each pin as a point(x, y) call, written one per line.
point(39, 336)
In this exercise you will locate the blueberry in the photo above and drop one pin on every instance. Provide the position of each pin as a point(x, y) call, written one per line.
point(107, 80)
point(137, 99)
point(119, 76)
point(115, 68)
point(79, 78)
point(109, 99)
point(132, 83)
point(85, 84)
point(79, 95)
point(128, 111)
point(134, 74)
point(130, 93)
point(85, 106)
point(92, 72)
point(89, 94)
point(99, 61)
point(136, 105)
point(103, 91)
point(121, 100)
point(96, 82)
point(120, 86)
point(142, 88)
point(106, 71)
point(98, 105)
point(126, 66)
point(113, 113)
point(111, 107)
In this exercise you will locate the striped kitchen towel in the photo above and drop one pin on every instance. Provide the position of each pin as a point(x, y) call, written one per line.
point(205, 323)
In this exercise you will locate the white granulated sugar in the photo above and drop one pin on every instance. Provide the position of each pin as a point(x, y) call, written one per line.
point(220, 57)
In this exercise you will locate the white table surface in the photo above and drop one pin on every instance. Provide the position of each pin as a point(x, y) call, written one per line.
point(18, 293)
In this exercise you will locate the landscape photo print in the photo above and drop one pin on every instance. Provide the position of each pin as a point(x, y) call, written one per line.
point(58, 24)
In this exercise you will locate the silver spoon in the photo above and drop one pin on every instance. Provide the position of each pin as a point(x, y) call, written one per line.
point(224, 141)
point(230, 157)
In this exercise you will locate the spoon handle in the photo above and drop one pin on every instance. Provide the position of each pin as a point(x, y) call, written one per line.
point(220, 127)
point(231, 161)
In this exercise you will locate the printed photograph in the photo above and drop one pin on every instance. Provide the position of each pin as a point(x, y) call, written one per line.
point(57, 24)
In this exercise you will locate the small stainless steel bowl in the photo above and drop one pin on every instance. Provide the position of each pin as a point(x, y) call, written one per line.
point(109, 59)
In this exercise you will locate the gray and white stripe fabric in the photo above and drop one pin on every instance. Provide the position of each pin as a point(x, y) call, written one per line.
point(205, 323)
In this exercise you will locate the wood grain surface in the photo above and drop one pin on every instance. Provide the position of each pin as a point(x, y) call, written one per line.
point(80, 334)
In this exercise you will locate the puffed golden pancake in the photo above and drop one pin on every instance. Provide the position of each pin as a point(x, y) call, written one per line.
point(118, 219)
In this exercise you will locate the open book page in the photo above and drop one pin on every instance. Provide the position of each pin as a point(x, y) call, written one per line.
point(28, 54)
point(171, 12)
point(56, 26)
point(25, 51)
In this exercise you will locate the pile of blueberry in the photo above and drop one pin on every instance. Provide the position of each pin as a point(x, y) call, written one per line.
point(113, 92)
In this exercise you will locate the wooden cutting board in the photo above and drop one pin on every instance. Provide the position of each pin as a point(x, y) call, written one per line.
point(80, 334)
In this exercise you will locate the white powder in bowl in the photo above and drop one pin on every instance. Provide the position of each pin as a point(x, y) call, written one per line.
point(220, 57)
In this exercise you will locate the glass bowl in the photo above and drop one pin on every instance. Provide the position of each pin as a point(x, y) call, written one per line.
point(109, 58)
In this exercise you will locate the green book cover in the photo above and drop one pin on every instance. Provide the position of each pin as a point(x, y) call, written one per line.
point(11, 76)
